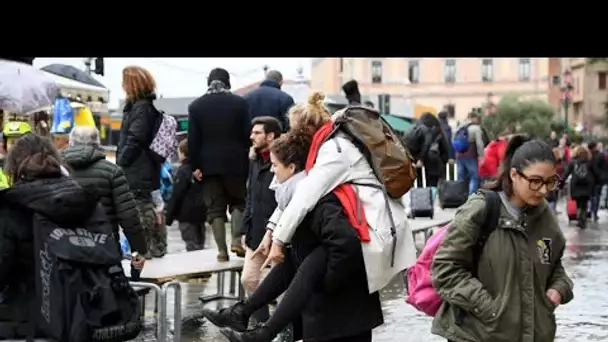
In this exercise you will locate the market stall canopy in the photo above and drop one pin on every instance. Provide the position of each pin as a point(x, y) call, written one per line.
point(397, 123)
point(75, 89)
point(73, 73)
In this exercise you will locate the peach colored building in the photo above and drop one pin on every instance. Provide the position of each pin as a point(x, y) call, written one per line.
point(464, 83)
point(590, 92)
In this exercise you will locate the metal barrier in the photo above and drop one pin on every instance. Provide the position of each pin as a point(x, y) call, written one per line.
point(162, 311)
point(177, 310)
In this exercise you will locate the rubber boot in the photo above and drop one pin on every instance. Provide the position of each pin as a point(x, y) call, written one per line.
point(236, 220)
point(219, 234)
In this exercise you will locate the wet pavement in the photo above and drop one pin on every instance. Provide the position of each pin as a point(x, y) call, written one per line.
point(584, 319)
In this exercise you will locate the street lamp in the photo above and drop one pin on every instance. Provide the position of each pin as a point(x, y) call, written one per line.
point(567, 94)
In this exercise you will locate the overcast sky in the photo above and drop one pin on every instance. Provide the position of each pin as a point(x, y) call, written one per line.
point(178, 77)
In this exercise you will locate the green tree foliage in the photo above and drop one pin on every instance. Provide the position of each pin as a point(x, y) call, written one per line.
point(517, 115)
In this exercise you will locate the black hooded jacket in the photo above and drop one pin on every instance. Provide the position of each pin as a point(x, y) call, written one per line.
point(64, 202)
point(107, 180)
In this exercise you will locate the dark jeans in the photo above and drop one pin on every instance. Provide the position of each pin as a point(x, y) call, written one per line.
point(193, 235)
point(430, 180)
point(298, 283)
point(581, 206)
point(595, 199)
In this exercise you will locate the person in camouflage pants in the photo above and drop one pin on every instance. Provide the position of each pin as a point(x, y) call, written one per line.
point(156, 233)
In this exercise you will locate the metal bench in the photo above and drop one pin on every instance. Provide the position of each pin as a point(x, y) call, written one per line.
point(159, 275)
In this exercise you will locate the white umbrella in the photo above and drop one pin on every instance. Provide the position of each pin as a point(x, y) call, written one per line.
point(25, 89)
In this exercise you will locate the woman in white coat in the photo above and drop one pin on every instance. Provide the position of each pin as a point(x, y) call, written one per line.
point(338, 162)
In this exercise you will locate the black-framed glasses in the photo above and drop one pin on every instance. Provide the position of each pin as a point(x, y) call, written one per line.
point(536, 183)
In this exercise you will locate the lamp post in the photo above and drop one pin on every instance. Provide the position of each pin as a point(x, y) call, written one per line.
point(567, 95)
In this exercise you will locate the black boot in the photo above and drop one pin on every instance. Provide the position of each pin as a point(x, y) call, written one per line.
point(259, 334)
point(233, 317)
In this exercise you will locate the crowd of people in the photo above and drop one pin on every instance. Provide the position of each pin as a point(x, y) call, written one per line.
point(310, 212)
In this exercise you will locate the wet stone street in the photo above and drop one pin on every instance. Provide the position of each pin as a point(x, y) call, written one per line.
point(584, 319)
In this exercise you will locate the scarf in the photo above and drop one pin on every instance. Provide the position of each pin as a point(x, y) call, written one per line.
point(283, 192)
point(217, 87)
point(345, 192)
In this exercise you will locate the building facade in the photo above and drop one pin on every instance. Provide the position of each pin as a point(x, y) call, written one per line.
point(589, 93)
point(460, 84)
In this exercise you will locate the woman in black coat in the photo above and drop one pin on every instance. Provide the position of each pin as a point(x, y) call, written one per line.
point(140, 122)
point(39, 186)
point(323, 275)
point(583, 181)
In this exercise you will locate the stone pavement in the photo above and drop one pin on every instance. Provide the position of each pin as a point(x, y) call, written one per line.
point(584, 319)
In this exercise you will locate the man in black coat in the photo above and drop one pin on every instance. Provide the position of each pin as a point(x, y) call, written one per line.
point(218, 141)
point(269, 100)
point(107, 180)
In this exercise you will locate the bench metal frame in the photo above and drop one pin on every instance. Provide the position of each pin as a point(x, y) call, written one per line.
point(235, 282)
point(160, 308)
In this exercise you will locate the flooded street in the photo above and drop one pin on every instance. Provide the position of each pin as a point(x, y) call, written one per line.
point(584, 319)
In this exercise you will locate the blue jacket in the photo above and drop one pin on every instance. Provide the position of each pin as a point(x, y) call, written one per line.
point(269, 100)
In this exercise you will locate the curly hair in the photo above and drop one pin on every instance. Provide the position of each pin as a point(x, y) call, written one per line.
point(309, 117)
point(137, 82)
point(292, 148)
point(33, 157)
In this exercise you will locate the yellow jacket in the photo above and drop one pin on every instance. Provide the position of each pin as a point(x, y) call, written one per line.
point(3, 180)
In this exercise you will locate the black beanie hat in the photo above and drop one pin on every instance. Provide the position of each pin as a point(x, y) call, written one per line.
point(219, 74)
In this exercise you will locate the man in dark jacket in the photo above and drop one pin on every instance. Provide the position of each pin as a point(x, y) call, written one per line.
point(261, 202)
point(218, 141)
point(447, 129)
point(599, 169)
point(269, 100)
point(107, 180)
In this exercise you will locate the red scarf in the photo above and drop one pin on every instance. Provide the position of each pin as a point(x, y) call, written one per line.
point(345, 192)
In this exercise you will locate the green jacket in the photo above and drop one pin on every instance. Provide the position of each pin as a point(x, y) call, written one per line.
point(520, 262)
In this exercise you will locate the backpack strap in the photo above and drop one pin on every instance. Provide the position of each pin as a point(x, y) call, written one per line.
point(490, 223)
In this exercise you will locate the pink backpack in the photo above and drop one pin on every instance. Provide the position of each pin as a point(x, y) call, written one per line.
point(421, 293)
point(164, 144)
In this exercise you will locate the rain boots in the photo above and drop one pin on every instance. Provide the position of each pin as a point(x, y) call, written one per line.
point(236, 220)
point(218, 226)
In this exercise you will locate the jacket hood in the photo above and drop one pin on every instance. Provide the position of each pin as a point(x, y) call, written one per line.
point(270, 83)
point(61, 200)
point(82, 156)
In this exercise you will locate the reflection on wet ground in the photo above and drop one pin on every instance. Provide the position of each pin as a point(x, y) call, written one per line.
point(584, 319)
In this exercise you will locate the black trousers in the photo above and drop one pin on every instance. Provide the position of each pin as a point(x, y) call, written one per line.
point(298, 283)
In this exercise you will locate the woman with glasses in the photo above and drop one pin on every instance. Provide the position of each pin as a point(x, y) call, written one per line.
point(520, 279)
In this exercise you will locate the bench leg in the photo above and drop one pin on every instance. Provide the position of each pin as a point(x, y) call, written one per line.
point(220, 294)
point(158, 298)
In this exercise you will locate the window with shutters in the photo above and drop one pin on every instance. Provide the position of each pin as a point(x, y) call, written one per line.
point(487, 70)
point(376, 71)
point(524, 69)
point(449, 72)
point(413, 71)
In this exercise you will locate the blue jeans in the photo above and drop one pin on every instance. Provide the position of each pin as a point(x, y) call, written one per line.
point(467, 169)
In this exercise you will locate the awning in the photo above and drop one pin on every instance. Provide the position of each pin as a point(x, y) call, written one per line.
point(75, 88)
point(397, 123)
